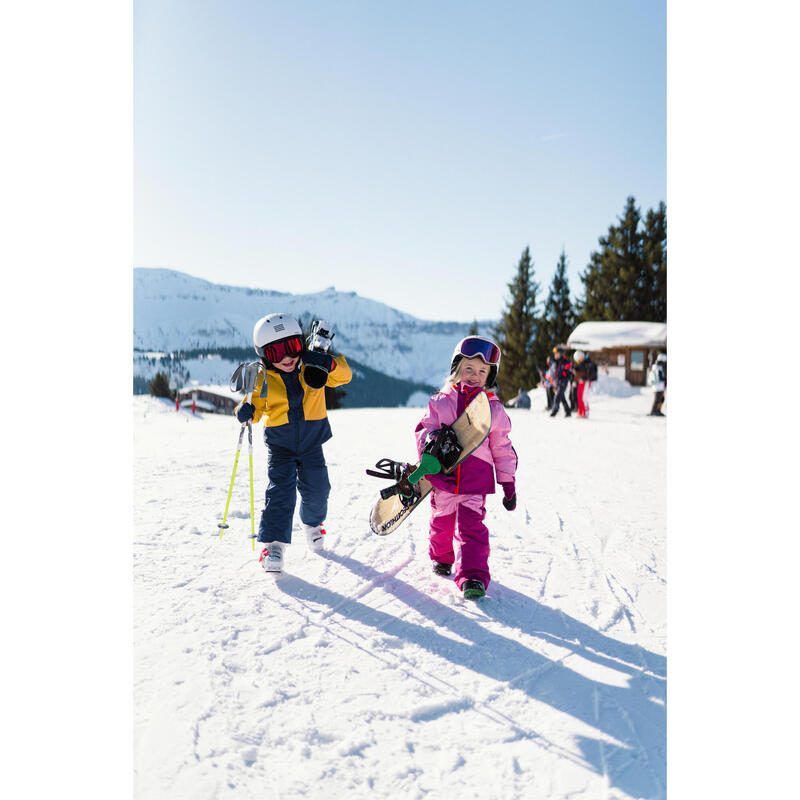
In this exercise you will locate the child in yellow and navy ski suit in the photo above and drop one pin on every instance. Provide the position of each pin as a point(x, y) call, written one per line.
point(292, 405)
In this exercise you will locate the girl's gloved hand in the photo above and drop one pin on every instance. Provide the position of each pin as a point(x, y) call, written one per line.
point(509, 496)
point(245, 412)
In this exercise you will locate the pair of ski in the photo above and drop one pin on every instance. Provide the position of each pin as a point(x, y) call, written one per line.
point(400, 499)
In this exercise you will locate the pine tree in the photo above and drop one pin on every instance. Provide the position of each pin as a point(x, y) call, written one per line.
point(654, 254)
point(159, 386)
point(334, 397)
point(626, 278)
point(558, 317)
point(516, 331)
point(473, 329)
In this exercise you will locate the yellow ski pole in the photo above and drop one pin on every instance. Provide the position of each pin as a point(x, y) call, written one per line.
point(244, 379)
point(222, 526)
point(252, 517)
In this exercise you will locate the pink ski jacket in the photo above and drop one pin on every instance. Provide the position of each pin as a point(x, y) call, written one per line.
point(476, 473)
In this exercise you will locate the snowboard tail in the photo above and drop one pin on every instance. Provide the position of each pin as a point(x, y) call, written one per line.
point(397, 501)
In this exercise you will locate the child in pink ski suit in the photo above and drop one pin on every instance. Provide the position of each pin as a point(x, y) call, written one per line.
point(458, 499)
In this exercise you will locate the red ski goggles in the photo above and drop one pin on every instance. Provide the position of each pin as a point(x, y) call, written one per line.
point(475, 347)
point(276, 352)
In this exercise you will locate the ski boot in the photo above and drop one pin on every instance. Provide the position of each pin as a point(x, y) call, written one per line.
point(473, 589)
point(272, 557)
point(314, 534)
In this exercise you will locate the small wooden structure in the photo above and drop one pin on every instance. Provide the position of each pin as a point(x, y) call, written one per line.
point(209, 398)
point(627, 348)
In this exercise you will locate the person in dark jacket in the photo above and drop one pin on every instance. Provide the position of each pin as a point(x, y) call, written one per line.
point(573, 386)
point(561, 370)
point(657, 378)
point(289, 395)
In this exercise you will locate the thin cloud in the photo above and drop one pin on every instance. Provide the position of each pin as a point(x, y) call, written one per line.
point(552, 137)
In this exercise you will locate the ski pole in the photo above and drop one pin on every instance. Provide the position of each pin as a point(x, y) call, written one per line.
point(252, 517)
point(222, 526)
point(243, 378)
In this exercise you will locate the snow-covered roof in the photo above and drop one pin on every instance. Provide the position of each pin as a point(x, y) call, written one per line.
point(598, 335)
point(222, 391)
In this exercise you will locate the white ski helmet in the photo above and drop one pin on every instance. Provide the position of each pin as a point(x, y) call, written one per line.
point(661, 358)
point(274, 328)
point(578, 356)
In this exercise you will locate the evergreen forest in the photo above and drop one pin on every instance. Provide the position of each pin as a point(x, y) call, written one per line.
point(625, 280)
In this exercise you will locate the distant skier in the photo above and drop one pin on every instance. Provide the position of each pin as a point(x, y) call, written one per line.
point(561, 370)
point(573, 388)
point(657, 378)
point(295, 427)
point(458, 500)
point(520, 401)
point(585, 373)
point(591, 378)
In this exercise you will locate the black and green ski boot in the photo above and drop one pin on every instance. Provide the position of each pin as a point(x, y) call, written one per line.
point(472, 589)
point(441, 569)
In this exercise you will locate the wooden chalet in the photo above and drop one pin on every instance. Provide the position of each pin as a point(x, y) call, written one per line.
point(209, 398)
point(623, 348)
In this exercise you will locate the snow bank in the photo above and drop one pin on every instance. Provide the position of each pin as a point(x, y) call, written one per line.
point(613, 387)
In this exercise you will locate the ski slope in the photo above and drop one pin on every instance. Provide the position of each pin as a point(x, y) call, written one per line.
point(360, 673)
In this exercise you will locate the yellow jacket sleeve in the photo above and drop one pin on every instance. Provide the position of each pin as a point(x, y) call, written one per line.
point(341, 373)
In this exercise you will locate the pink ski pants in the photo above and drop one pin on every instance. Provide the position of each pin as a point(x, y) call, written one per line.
point(460, 516)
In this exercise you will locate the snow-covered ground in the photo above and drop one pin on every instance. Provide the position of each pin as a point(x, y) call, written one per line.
point(359, 673)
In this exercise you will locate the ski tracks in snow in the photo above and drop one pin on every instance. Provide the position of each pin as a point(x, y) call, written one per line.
point(361, 671)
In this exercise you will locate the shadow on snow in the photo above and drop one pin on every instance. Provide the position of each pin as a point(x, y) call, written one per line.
point(633, 715)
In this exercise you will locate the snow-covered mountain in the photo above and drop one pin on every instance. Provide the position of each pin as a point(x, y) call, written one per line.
point(177, 312)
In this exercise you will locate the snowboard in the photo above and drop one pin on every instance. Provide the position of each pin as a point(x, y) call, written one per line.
point(399, 500)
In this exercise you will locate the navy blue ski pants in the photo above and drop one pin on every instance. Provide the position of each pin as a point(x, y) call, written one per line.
point(559, 399)
point(289, 473)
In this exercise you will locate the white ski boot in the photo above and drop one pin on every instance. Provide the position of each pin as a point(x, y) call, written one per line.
point(272, 557)
point(314, 534)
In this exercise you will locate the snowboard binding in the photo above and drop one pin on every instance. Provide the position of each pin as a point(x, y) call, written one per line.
point(397, 471)
point(444, 447)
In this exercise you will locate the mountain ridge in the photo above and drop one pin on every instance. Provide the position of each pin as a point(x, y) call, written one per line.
point(176, 312)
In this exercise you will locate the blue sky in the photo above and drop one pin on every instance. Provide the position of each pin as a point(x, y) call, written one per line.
point(406, 151)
